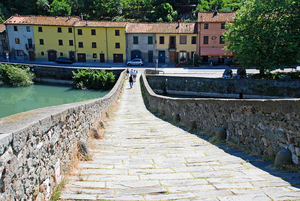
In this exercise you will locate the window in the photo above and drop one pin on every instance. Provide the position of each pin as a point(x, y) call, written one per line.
point(182, 56)
point(70, 30)
point(79, 31)
point(19, 53)
point(28, 28)
point(80, 44)
point(60, 42)
point(41, 41)
point(93, 32)
point(94, 55)
point(182, 39)
point(59, 29)
point(161, 40)
point(206, 26)
point(40, 29)
point(150, 40)
point(42, 53)
point(15, 28)
point(70, 42)
point(17, 41)
point(117, 32)
point(221, 40)
point(94, 45)
point(194, 39)
point(223, 26)
point(61, 54)
point(135, 40)
point(205, 40)
point(117, 45)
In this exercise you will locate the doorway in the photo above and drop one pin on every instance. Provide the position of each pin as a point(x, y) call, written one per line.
point(51, 55)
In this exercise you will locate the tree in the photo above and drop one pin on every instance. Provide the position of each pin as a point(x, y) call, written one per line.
point(60, 8)
point(166, 13)
point(107, 8)
point(265, 34)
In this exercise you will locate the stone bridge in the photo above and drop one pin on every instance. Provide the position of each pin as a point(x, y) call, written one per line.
point(143, 157)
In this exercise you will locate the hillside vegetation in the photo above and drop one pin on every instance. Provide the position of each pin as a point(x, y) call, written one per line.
point(116, 10)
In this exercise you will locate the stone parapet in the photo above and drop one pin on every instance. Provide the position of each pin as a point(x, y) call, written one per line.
point(38, 146)
point(264, 126)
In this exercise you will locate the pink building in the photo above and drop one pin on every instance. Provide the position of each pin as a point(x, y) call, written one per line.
point(211, 27)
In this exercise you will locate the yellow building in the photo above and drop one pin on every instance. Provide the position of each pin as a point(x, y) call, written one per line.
point(53, 37)
point(176, 42)
point(100, 41)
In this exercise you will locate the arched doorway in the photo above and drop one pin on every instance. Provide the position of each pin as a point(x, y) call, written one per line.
point(135, 54)
point(52, 55)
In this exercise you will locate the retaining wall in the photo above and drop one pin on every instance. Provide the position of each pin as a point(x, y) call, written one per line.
point(262, 126)
point(251, 88)
point(36, 147)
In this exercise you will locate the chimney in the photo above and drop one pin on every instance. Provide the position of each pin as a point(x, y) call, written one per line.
point(178, 24)
point(215, 13)
point(81, 15)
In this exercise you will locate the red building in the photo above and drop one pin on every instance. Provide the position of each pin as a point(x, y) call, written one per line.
point(211, 27)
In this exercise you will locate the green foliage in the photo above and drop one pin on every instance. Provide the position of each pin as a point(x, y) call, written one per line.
point(57, 191)
point(60, 8)
point(94, 79)
point(18, 76)
point(129, 10)
point(265, 34)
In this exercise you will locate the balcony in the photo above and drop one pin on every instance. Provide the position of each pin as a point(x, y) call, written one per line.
point(30, 47)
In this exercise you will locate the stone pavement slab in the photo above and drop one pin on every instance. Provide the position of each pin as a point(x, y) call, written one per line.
point(143, 157)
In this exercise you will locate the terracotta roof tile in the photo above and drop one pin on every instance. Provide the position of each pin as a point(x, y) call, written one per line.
point(220, 17)
point(42, 20)
point(171, 27)
point(88, 23)
point(2, 28)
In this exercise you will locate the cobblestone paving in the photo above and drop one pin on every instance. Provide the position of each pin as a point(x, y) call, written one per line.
point(145, 158)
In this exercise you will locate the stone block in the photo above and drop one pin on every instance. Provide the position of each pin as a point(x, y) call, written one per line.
point(5, 141)
point(221, 135)
point(20, 139)
point(283, 157)
point(297, 151)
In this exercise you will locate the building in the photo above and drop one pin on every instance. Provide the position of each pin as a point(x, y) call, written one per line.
point(53, 37)
point(141, 42)
point(20, 38)
point(162, 42)
point(176, 42)
point(100, 41)
point(211, 27)
point(3, 42)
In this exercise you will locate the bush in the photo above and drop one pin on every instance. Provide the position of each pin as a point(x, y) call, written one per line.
point(16, 75)
point(93, 79)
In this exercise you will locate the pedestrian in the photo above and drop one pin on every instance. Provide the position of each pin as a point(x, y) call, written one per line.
point(127, 73)
point(131, 81)
point(134, 75)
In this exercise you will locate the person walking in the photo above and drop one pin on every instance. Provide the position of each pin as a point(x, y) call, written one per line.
point(131, 81)
point(127, 73)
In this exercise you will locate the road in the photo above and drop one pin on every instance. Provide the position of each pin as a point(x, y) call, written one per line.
point(168, 69)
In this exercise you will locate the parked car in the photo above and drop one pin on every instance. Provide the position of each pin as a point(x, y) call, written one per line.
point(227, 73)
point(135, 62)
point(63, 60)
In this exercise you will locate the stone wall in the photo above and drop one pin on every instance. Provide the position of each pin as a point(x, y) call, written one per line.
point(262, 126)
point(61, 73)
point(38, 146)
point(251, 88)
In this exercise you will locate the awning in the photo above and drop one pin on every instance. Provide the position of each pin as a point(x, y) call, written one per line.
point(213, 51)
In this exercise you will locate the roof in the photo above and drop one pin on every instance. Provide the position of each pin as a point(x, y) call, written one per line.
point(2, 28)
point(171, 27)
point(220, 17)
point(88, 23)
point(42, 20)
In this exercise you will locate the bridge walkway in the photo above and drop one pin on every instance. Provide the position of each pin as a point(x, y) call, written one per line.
point(143, 157)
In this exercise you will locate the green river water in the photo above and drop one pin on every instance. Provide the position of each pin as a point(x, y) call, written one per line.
point(14, 100)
